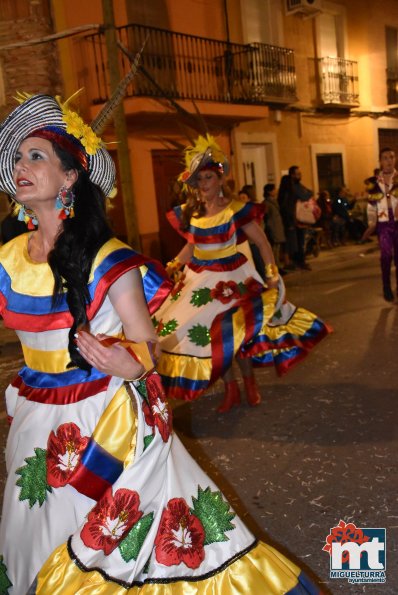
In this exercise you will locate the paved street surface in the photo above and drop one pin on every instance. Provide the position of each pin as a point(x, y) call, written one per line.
point(322, 446)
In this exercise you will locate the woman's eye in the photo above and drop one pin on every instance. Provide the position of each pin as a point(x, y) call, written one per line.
point(35, 156)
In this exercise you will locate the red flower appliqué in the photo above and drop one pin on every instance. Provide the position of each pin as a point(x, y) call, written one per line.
point(180, 536)
point(157, 413)
point(64, 451)
point(344, 533)
point(253, 287)
point(225, 291)
point(111, 519)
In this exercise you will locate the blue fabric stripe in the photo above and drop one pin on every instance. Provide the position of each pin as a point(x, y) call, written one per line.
point(185, 383)
point(36, 379)
point(219, 261)
point(39, 305)
point(217, 229)
point(304, 587)
point(100, 462)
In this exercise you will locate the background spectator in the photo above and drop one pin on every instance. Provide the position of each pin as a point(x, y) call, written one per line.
point(274, 227)
point(325, 220)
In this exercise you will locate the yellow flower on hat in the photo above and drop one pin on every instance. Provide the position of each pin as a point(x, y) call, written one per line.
point(74, 123)
point(90, 141)
point(77, 128)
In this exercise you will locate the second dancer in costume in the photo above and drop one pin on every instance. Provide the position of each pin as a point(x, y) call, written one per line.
point(220, 307)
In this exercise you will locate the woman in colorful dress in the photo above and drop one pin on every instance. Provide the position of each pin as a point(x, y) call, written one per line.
point(101, 497)
point(220, 307)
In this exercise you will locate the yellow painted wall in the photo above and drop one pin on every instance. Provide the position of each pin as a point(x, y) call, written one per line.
point(298, 130)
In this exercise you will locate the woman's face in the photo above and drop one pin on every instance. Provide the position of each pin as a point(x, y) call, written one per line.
point(38, 174)
point(209, 184)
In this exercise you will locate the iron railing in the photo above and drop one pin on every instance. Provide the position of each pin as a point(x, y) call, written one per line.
point(392, 86)
point(180, 66)
point(338, 81)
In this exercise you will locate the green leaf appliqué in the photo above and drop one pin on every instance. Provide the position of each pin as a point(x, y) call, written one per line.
point(147, 440)
point(5, 582)
point(201, 297)
point(131, 545)
point(199, 335)
point(33, 480)
point(214, 513)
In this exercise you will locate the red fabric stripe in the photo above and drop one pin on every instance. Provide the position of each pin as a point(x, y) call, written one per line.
point(37, 323)
point(55, 321)
point(216, 266)
point(88, 483)
point(217, 348)
point(61, 395)
point(176, 392)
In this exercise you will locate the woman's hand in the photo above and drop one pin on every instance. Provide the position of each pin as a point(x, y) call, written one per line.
point(272, 282)
point(113, 360)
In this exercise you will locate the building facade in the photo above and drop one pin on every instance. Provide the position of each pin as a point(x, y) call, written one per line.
point(279, 82)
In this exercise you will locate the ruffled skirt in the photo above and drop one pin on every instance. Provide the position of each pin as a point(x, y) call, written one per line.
point(212, 316)
point(125, 510)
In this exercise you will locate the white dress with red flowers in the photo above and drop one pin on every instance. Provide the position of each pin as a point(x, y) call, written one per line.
point(221, 308)
point(101, 497)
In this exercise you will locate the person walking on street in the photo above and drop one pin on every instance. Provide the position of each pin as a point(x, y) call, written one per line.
point(382, 213)
point(221, 309)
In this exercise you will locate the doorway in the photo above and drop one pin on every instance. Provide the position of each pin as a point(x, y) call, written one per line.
point(258, 166)
point(166, 168)
point(330, 172)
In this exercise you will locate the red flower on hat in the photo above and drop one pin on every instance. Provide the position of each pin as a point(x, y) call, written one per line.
point(225, 291)
point(344, 533)
point(111, 519)
point(185, 175)
point(180, 536)
point(156, 410)
point(64, 451)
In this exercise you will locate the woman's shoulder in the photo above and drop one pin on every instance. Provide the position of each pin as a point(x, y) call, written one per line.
point(12, 249)
point(111, 253)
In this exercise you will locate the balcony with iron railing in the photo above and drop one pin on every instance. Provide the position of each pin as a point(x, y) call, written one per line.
point(179, 66)
point(392, 86)
point(338, 82)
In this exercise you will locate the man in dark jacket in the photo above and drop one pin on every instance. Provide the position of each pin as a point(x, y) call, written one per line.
point(292, 190)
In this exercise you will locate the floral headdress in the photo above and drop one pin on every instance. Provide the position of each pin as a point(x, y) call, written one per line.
point(205, 154)
point(47, 117)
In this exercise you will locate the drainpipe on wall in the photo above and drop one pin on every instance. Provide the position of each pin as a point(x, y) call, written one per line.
point(130, 212)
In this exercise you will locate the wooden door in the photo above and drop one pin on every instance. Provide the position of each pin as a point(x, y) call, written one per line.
point(167, 165)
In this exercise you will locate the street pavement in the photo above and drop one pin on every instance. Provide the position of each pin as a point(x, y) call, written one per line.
point(322, 445)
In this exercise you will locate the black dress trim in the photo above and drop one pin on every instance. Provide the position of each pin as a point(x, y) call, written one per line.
point(163, 581)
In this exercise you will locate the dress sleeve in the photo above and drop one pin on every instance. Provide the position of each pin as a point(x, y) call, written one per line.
point(174, 217)
point(113, 260)
point(244, 213)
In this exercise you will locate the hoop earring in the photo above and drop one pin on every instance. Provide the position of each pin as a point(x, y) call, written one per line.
point(64, 203)
point(27, 215)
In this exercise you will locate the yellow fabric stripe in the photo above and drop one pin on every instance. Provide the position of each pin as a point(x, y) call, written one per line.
point(214, 254)
point(116, 429)
point(37, 279)
point(109, 247)
point(51, 362)
point(262, 570)
point(194, 368)
point(299, 324)
point(220, 218)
